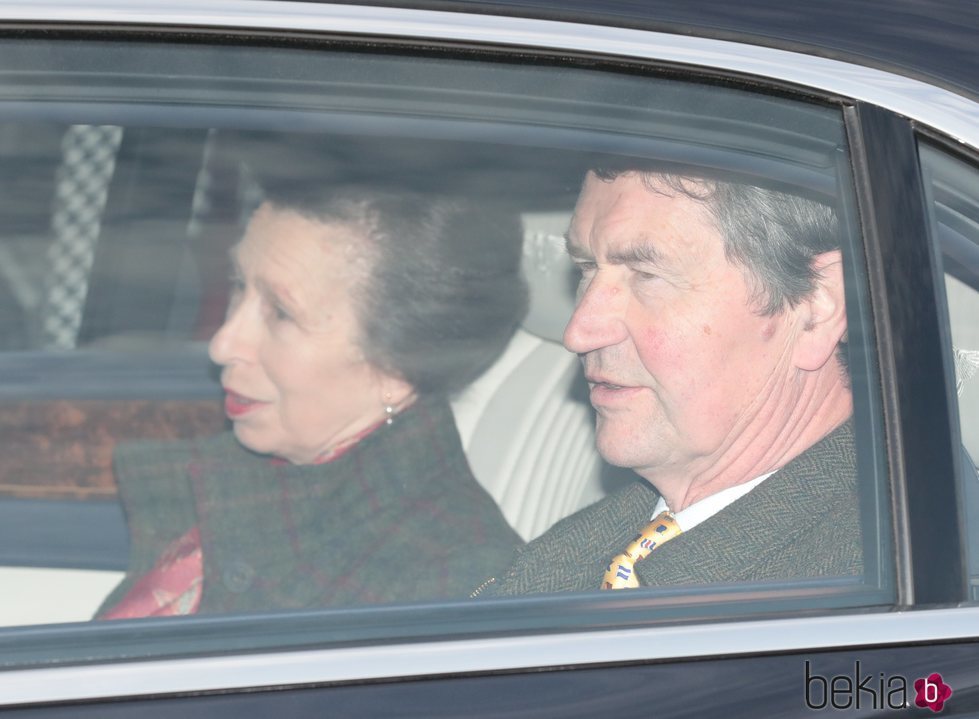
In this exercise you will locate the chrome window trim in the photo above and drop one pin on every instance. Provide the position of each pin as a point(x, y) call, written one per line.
point(940, 109)
point(937, 108)
point(132, 679)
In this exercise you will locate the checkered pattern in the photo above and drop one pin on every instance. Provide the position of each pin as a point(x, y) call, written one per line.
point(214, 165)
point(250, 194)
point(202, 205)
point(81, 189)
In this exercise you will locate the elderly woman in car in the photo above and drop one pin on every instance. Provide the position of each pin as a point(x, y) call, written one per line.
point(354, 314)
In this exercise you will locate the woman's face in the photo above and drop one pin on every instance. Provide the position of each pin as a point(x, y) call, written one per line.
point(296, 382)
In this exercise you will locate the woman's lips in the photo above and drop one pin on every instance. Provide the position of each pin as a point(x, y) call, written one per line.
point(237, 405)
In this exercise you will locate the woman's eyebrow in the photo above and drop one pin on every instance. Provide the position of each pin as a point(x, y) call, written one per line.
point(236, 266)
point(278, 293)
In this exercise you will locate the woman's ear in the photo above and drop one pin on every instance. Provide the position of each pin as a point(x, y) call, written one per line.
point(395, 391)
point(822, 314)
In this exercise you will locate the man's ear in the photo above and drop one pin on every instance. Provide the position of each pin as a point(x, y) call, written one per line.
point(822, 315)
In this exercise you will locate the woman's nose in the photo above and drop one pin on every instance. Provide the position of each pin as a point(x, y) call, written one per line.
point(231, 343)
point(597, 320)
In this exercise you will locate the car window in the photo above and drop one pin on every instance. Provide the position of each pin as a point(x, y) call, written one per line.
point(954, 213)
point(296, 330)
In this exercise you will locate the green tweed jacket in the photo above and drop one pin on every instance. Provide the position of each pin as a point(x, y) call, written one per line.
point(397, 518)
point(803, 521)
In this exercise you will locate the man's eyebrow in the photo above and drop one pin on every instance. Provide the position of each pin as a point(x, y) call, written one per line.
point(575, 251)
point(639, 253)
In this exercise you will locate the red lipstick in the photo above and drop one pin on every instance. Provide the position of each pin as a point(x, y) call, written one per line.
point(237, 405)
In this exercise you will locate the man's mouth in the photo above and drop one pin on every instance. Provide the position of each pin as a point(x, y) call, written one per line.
point(600, 380)
point(606, 393)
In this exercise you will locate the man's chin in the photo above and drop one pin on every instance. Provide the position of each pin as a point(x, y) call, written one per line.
point(622, 446)
point(615, 450)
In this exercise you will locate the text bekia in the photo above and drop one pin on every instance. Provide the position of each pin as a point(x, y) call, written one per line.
point(859, 691)
point(870, 691)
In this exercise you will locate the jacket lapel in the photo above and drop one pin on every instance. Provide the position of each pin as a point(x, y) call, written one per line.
point(758, 528)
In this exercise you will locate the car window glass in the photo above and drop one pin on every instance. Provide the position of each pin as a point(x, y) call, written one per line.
point(954, 208)
point(296, 330)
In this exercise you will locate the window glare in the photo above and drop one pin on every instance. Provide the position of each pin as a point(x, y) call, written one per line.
point(954, 210)
point(296, 330)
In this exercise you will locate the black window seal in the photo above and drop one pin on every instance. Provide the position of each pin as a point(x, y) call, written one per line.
point(902, 265)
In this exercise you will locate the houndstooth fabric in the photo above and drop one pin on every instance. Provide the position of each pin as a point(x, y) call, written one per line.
point(804, 521)
point(81, 188)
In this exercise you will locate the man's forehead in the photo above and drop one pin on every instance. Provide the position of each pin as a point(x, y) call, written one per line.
point(633, 214)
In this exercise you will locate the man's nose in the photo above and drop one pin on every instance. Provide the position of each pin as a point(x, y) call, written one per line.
point(598, 318)
point(232, 342)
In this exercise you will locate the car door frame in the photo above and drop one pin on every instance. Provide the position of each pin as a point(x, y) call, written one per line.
point(899, 262)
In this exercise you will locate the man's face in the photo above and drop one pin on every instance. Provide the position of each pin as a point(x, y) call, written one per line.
point(683, 370)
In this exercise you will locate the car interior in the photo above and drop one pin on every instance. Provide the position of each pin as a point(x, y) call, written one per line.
point(135, 364)
point(137, 221)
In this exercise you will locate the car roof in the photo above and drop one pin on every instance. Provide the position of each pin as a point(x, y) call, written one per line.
point(931, 40)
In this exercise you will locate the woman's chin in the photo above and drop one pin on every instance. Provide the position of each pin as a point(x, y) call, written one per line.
point(249, 439)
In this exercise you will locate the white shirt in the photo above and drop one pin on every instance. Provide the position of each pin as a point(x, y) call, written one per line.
point(707, 507)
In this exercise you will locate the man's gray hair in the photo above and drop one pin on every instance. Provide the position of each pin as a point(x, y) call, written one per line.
point(774, 235)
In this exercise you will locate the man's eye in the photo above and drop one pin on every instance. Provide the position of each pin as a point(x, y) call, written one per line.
point(585, 268)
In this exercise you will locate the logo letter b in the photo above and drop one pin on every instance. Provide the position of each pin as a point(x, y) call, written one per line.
point(818, 680)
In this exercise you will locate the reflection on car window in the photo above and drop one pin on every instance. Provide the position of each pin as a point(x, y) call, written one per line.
point(397, 330)
point(954, 209)
point(354, 313)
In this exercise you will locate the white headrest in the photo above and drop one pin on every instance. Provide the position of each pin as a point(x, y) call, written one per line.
point(529, 437)
point(550, 274)
point(526, 424)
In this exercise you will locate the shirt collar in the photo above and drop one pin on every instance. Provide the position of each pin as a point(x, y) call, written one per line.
point(707, 507)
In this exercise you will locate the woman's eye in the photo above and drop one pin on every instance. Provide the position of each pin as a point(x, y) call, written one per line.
point(236, 290)
point(277, 311)
point(236, 284)
point(280, 313)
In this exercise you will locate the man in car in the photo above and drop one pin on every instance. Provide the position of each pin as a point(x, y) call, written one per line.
point(711, 325)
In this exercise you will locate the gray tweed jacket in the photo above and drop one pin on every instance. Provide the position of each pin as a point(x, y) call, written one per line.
point(397, 518)
point(801, 522)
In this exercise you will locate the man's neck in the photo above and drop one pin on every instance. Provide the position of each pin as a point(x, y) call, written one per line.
point(758, 448)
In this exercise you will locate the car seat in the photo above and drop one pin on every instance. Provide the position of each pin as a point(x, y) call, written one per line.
point(526, 423)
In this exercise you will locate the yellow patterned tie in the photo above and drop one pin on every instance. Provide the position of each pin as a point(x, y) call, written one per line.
point(621, 570)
